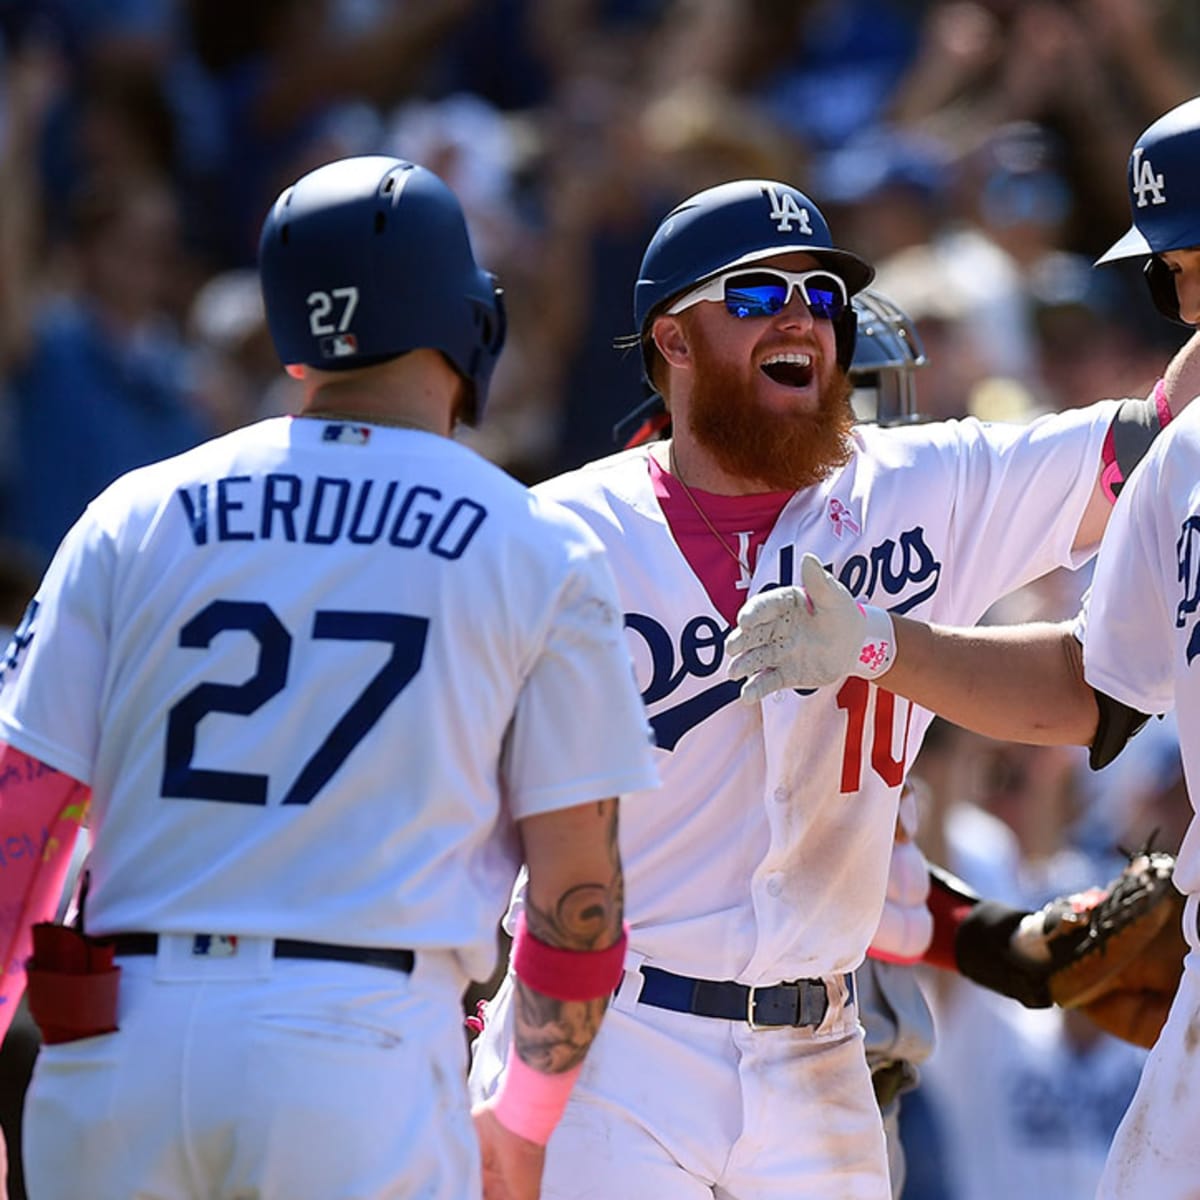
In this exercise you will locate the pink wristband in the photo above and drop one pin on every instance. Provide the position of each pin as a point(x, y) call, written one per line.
point(567, 974)
point(529, 1103)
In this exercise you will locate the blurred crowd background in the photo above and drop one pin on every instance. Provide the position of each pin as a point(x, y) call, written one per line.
point(975, 150)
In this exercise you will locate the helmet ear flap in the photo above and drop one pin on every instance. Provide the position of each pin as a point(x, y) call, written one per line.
point(491, 330)
point(1161, 283)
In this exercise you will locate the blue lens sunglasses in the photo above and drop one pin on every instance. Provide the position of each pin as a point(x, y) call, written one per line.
point(767, 290)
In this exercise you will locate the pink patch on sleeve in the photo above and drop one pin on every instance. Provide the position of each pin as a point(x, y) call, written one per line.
point(41, 810)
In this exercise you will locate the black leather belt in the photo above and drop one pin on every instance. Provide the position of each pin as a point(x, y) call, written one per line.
point(369, 956)
point(801, 1003)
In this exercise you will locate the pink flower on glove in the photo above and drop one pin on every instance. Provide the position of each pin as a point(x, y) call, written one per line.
point(874, 655)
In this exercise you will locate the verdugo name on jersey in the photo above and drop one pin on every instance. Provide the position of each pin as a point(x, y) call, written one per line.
point(330, 510)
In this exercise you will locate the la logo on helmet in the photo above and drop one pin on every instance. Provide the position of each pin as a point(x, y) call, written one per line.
point(1145, 182)
point(785, 210)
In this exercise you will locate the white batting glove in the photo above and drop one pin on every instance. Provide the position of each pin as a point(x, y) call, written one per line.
point(806, 637)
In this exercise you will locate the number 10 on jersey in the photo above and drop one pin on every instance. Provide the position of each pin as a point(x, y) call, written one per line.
point(887, 760)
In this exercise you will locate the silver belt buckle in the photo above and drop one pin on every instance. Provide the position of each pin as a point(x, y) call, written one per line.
point(750, 997)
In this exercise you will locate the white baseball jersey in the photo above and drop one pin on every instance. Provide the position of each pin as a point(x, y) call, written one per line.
point(765, 854)
point(1142, 636)
point(313, 672)
point(1141, 642)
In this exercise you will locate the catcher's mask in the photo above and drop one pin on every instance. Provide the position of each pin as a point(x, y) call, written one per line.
point(367, 258)
point(887, 351)
point(1164, 196)
point(730, 225)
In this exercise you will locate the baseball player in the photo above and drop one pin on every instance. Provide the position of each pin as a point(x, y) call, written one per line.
point(1130, 652)
point(928, 915)
point(324, 683)
point(731, 1062)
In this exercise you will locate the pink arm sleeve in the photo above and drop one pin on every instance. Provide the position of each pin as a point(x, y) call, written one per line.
point(41, 810)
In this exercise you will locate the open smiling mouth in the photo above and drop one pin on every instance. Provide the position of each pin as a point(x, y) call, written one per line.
point(790, 370)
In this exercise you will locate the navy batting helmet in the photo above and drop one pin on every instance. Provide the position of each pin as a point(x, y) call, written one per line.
point(887, 350)
point(367, 258)
point(1164, 195)
point(732, 224)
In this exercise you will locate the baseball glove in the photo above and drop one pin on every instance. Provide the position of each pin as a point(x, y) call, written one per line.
point(1115, 952)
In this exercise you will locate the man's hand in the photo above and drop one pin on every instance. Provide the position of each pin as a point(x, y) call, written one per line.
point(512, 1166)
point(809, 636)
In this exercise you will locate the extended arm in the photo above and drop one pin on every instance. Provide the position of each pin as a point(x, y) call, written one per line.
point(1014, 683)
point(568, 955)
point(1017, 683)
point(1021, 683)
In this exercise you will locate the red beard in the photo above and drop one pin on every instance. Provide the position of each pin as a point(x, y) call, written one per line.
point(785, 451)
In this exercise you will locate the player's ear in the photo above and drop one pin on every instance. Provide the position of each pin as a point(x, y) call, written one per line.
point(671, 341)
point(295, 370)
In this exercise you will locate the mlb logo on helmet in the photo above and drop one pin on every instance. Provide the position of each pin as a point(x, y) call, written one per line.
point(339, 345)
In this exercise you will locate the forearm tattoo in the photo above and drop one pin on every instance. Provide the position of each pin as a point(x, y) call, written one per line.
point(553, 1035)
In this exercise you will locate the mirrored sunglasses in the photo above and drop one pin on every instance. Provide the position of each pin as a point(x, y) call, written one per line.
point(766, 291)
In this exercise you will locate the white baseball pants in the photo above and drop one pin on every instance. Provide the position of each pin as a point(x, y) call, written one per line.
point(672, 1106)
point(1156, 1149)
point(252, 1078)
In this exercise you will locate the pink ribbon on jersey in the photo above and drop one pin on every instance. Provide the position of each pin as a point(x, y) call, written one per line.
point(841, 518)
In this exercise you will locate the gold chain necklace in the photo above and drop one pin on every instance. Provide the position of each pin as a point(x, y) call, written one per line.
point(673, 465)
